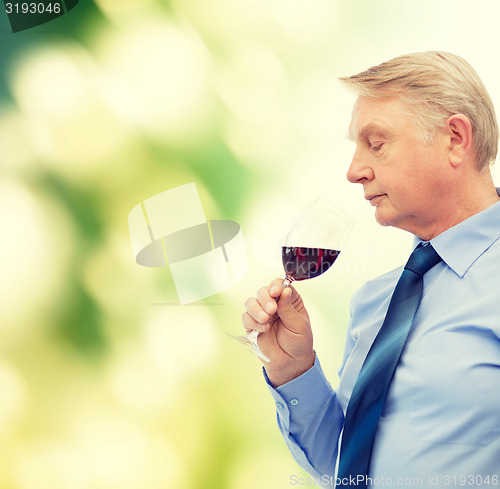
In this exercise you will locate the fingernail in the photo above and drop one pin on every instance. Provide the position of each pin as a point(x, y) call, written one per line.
point(262, 317)
point(269, 307)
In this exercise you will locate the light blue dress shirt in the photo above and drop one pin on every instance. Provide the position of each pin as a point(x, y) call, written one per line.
point(440, 426)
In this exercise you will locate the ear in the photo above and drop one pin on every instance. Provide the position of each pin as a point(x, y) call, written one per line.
point(460, 135)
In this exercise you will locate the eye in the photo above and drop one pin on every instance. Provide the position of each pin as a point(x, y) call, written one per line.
point(376, 146)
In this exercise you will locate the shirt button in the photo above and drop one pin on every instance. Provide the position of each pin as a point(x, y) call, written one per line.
point(280, 405)
point(294, 402)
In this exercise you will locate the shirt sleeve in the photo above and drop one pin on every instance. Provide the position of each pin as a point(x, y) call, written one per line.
point(310, 419)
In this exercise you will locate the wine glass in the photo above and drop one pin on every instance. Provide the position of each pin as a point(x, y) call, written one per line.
point(311, 246)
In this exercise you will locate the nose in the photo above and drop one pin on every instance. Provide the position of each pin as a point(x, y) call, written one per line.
point(359, 171)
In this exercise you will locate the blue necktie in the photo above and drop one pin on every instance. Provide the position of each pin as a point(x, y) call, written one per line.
point(369, 393)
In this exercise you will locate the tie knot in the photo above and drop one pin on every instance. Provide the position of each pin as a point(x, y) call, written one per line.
point(422, 259)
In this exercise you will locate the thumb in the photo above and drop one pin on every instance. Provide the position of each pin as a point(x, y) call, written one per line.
point(286, 309)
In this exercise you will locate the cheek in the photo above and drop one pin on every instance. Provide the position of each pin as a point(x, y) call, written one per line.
point(413, 197)
point(405, 193)
point(414, 181)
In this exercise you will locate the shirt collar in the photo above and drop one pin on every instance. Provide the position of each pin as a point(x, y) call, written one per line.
point(461, 245)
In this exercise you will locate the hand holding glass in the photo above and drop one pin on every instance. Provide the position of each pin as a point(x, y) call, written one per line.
point(311, 246)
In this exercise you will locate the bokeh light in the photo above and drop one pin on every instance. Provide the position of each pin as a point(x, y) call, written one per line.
point(166, 90)
point(59, 89)
point(35, 250)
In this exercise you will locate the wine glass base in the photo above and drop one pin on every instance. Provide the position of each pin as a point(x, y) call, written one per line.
point(250, 343)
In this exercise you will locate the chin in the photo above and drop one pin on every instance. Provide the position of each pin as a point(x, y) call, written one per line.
point(385, 218)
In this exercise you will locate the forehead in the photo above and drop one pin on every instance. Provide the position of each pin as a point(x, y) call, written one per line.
point(387, 115)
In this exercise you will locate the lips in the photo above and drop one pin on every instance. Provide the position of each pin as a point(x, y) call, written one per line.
point(374, 198)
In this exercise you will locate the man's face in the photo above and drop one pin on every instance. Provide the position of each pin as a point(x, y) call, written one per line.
point(402, 178)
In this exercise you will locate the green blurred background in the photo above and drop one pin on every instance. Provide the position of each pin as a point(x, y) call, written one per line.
point(105, 382)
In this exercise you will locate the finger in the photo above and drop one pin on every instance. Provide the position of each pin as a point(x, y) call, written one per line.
point(276, 288)
point(256, 311)
point(285, 300)
point(250, 324)
point(267, 302)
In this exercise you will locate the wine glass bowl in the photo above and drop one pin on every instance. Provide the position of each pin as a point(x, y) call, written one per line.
point(301, 263)
point(314, 240)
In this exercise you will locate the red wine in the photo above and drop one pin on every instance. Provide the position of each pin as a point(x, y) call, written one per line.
point(302, 263)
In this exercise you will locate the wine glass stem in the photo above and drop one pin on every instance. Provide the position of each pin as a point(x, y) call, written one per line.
point(287, 282)
point(252, 335)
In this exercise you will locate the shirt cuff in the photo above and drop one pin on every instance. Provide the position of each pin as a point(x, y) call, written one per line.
point(301, 395)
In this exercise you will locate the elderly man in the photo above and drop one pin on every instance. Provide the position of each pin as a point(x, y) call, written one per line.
point(418, 402)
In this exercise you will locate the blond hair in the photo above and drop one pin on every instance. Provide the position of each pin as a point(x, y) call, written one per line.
point(435, 85)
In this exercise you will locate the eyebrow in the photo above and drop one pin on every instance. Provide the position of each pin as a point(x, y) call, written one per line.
point(371, 127)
